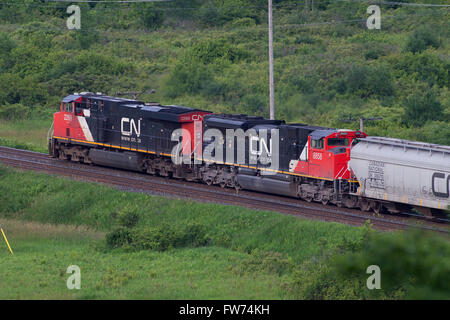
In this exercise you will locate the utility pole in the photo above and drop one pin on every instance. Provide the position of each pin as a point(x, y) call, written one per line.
point(271, 88)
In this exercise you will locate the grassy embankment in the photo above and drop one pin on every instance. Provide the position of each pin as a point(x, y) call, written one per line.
point(29, 134)
point(52, 223)
point(131, 245)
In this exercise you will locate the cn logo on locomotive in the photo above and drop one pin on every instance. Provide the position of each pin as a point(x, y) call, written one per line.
point(262, 146)
point(131, 124)
point(440, 176)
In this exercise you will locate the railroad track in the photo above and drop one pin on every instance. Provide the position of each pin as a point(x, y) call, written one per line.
point(141, 182)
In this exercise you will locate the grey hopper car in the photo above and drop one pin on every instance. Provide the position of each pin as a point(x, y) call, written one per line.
point(405, 173)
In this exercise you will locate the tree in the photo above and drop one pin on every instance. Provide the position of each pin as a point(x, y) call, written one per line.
point(151, 16)
point(421, 39)
point(421, 107)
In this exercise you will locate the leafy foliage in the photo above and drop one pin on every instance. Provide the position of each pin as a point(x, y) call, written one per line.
point(421, 39)
point(412, 266)
point(213, 55)
point(159, 238)
point(419, 108)
point(416, 261)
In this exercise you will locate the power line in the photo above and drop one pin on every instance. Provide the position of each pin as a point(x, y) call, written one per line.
point(48, 5)
point(371, 1)
point(406, 4)
point(260, 28)
point(112, 1)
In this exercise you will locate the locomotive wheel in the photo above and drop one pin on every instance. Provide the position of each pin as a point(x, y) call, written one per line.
point(325, 201)
point(209, 181)
point(377, 207)
point(364, 205)
point(163, 172)
point(62, 156)
point(223, 184)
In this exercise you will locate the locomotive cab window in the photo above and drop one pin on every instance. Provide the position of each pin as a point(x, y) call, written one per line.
point(332, 142)
point(67, 107)
point(317, 144)
point(78, 108)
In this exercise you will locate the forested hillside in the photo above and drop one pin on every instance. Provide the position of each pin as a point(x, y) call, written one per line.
point(213, 54)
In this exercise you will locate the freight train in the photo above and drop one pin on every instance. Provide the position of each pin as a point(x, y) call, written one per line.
point(337, 166)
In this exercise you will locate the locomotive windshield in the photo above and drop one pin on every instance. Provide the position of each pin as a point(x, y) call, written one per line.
point(317, 144)
point(338, 142)
point(67, 107)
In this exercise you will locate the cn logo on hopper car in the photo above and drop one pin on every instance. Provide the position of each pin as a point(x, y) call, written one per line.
point(436, 176)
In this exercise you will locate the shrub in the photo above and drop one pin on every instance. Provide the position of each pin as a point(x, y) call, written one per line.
point(424, 66)
point(414, 265)
point(90, 62)
point(305, 38)
point(6, 44)
point(243, 22)
point(119, 237)
point(159, 238)
point(193, 235)
point(415, 260)
point(152, 18)
point(128, 217)
point(85, 38)
point(373, 52)
point(254, 103)
point(187, 78)
point(15, 111)
point(421, 107)
point(14, 90)
point(210, 51)
point(218, 12)
point(366, 81)
point(421, 39)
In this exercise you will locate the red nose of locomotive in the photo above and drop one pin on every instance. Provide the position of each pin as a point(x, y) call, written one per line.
point(327, 153)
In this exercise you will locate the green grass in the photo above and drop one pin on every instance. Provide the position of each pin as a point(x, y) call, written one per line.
point(237, 253)
point(53, 222)
point(39, 197)
point(29, 134)
point(42, 253)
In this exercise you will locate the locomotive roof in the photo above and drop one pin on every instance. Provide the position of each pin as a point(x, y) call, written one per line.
point(407, 144)
point(172, 109)
point(238, 121)
point(155, 110)
point(74, 97)
point(318, 134)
